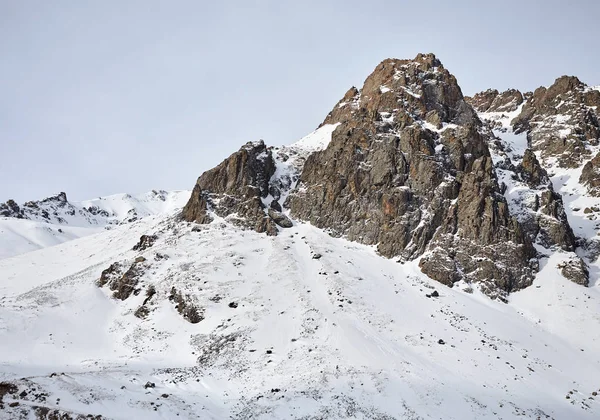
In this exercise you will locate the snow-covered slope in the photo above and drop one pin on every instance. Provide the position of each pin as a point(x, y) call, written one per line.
point(54, 220)
point(300, 325)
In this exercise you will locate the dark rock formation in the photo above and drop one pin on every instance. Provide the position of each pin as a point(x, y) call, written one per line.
point(575, 270)
point(279, 218)
point(531, 170)
point(123, 284)
point(544, 220)
point(235, 190)
point(561, 120)
point(145, 242)
point(11, 209)
point(184, 305)
point(590, 176)
point(554, 229)
point(493, 101)
point(388, 178)
point(529, 192)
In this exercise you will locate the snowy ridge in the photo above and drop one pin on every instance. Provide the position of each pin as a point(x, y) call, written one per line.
point(38, 224)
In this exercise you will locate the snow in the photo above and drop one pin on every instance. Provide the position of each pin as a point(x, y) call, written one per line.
point(352, 334)
point(71, 220)
point(317, 140)
point(18, 236)
point(410, 92)
point(349, 334)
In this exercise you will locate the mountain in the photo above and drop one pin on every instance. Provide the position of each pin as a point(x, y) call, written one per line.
point(54, 220)
point(420, 255)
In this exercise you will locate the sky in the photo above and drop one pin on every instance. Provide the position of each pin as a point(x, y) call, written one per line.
point(104, 97)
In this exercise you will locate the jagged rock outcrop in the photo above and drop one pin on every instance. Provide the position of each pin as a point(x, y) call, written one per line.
point(493, 101)
point(409, 169)
point(235, 190)
point(561, 121)
point(544, 218)
point(123, 282)
point(11, 209)
point(145, 242)
point(590, 176)
point(531, 170)
point(575, 270)
point(525, 183)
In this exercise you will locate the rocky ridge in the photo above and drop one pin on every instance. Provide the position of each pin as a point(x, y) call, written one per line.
point(464, 184)
point(103, 211)
point(543, 139)
point(407, 169)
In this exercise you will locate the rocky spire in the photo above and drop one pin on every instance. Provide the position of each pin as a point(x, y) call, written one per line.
point(409, 169)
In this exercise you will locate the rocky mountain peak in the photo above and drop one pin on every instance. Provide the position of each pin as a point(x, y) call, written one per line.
point(409, 169)
point(409, 166)
point(407, 91)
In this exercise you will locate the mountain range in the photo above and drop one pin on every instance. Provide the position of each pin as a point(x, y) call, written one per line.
point(420, 255)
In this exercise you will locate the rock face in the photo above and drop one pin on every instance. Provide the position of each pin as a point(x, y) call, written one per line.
point(11, 209)
point(409, 169)
point(123, 282)
point(561, 121)
point(590, 176)
point(554, 131)
point(523, 179)
point(493, 101)
point(575, 270)
point(235, 190)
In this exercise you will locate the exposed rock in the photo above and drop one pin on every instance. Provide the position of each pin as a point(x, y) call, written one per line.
point(529, 193)
point(184, 305)
point(575, 270)
point(142, 312)
point(493, 101)
point(555, 229)
point(540, 210)
point(561, 121)
point(110, 274)
point(123, 284)
point(145, 242)
point(590, 176)
point(11, 209)
point(235, 190)
point(280, 218)
point(7, 388)
point(386, 179)
point(531, 170)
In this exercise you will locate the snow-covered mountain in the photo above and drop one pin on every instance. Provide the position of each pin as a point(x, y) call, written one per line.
point(54, 220)
point(420, 255)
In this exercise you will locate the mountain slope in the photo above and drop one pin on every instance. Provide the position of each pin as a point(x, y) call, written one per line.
point(285, 333)
point(54, 220)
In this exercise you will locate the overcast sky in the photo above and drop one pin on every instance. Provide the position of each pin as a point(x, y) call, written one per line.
point(102, 97)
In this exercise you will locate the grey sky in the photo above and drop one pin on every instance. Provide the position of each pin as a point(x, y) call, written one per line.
point(101, 97)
